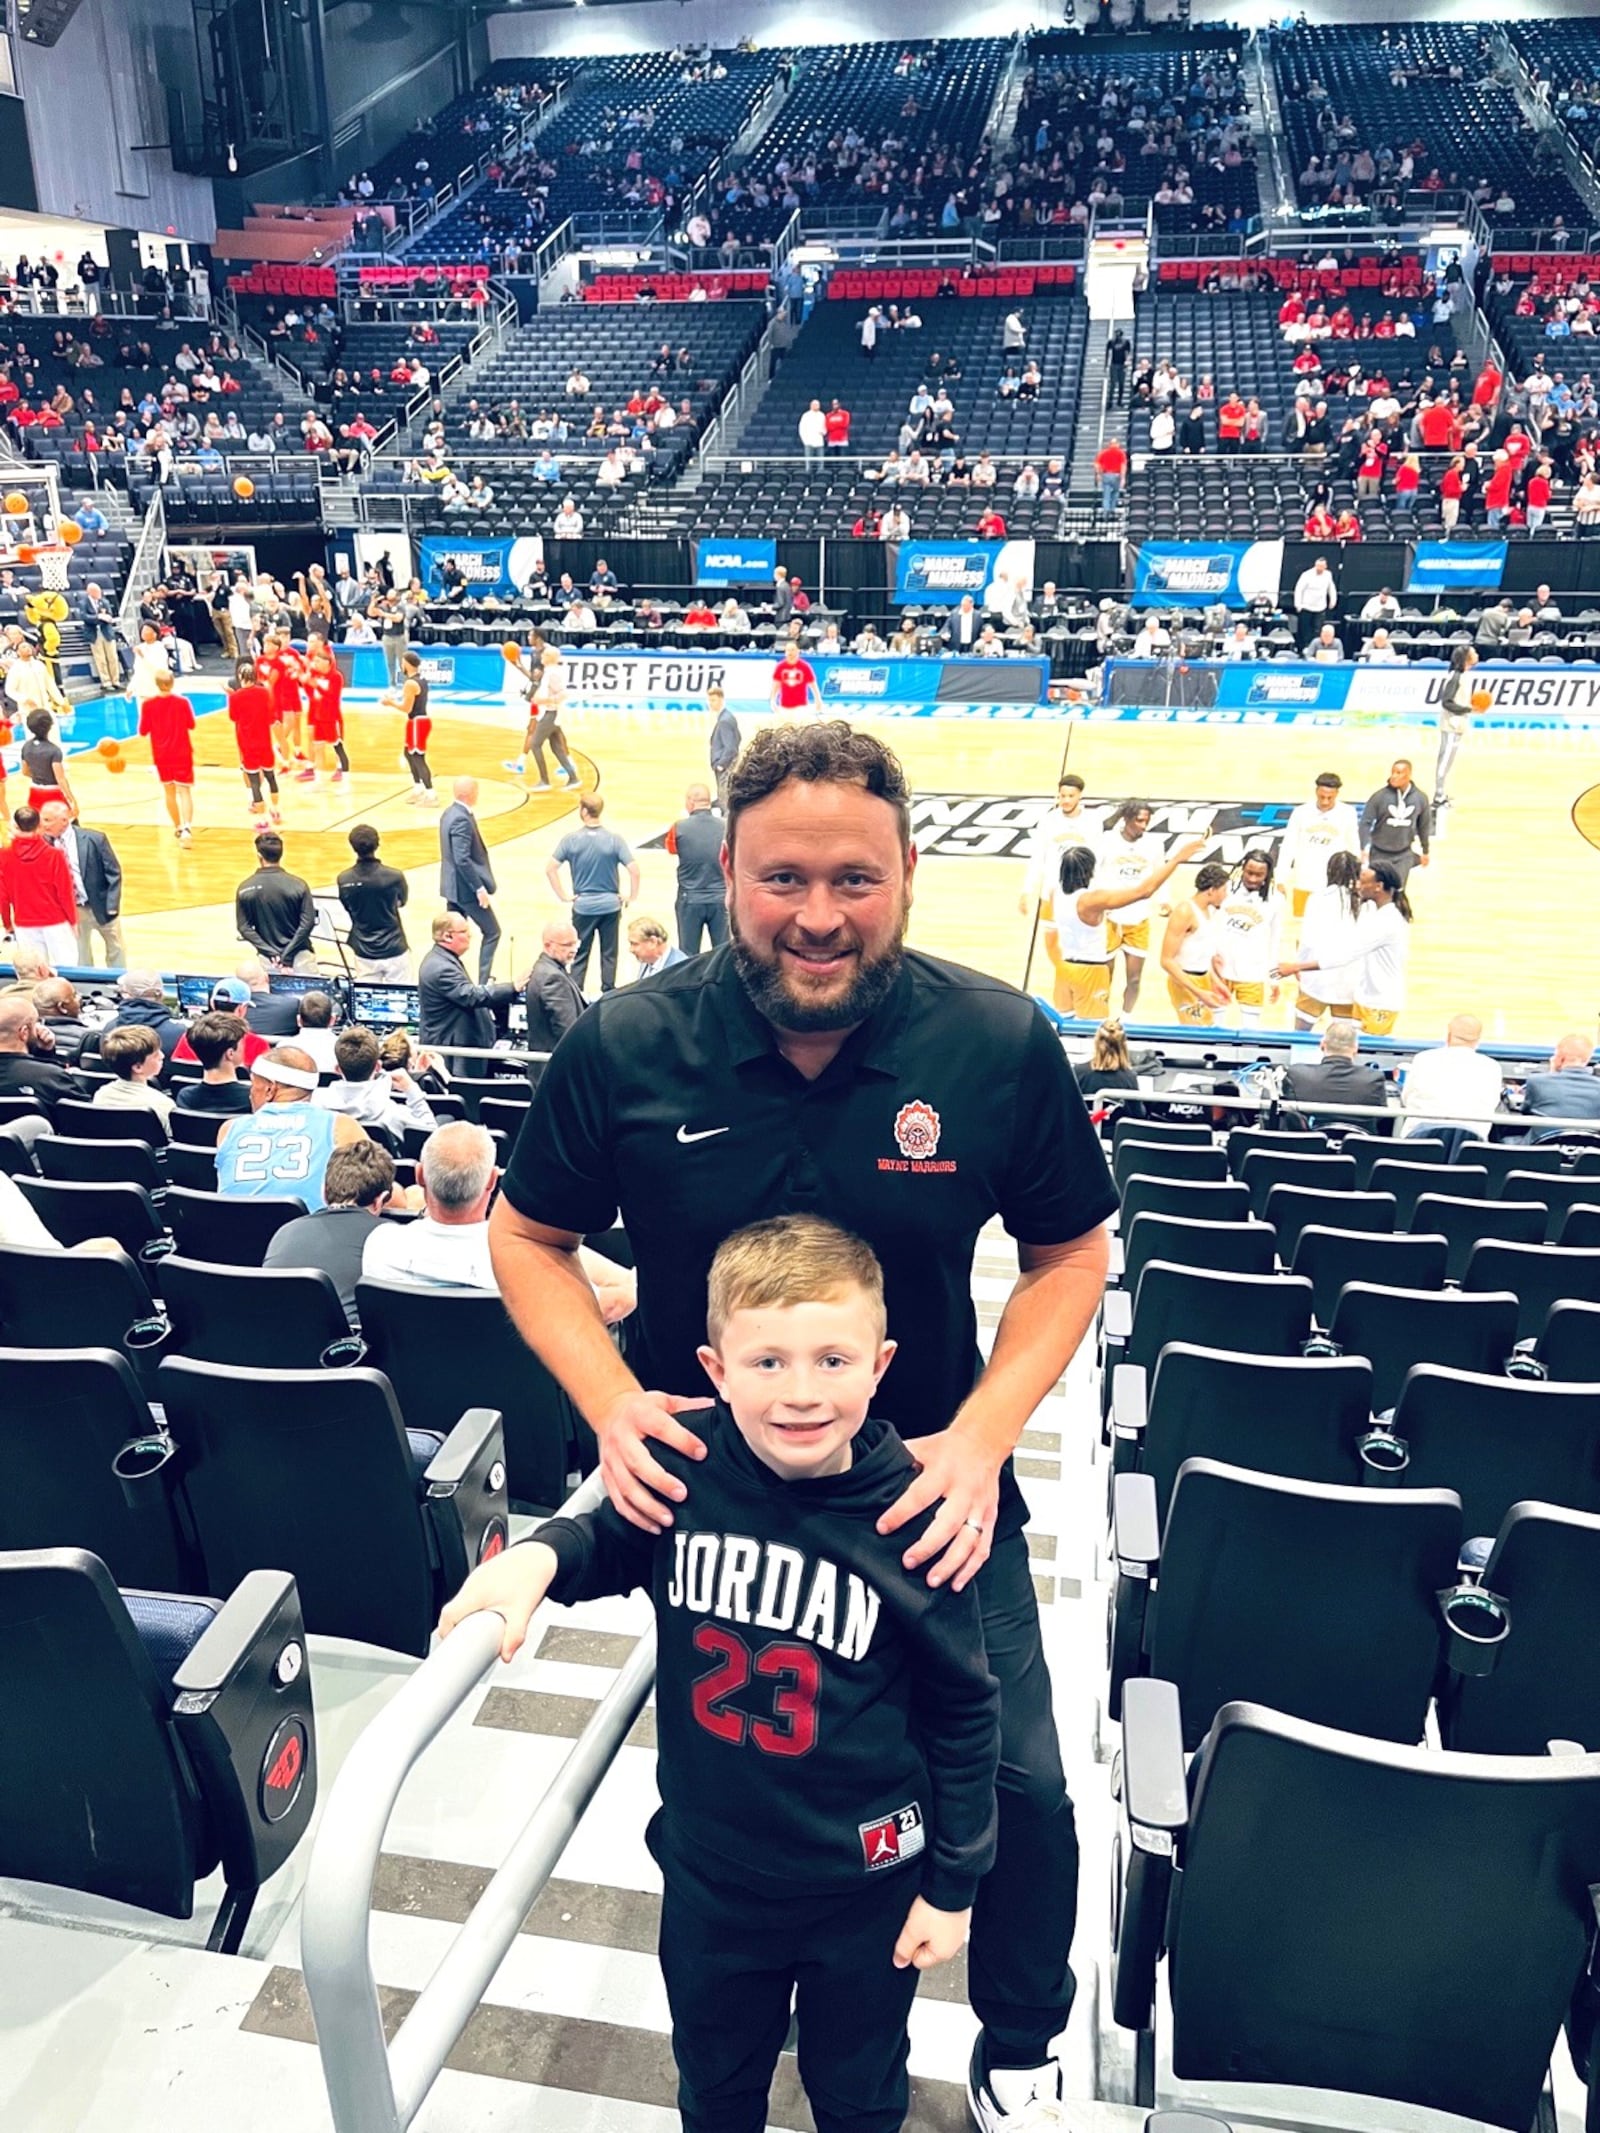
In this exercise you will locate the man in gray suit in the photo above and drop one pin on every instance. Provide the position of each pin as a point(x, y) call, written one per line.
point(466, 879)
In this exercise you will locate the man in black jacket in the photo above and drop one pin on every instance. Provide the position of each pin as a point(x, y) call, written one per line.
point(96, 881)
point(554, 998)
point(695, 841)
point(1317, 1092)
point(450, 1008)
point(273, 910)
point(374, 895)
point(21, 1073)
point(1397, 823)
point(266, 1013)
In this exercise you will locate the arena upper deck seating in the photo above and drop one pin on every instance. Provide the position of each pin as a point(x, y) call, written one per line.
point(1565, 55)
point(1171, 108)
point(933, 98)
point(1470, 126)
point(453, 138)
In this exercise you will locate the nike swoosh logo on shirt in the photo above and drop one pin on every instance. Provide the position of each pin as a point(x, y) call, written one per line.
point(709, 1133)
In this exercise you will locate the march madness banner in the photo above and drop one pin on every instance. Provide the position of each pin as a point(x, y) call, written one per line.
point(1457, 566)
point(1205, 573)
point(943, 573)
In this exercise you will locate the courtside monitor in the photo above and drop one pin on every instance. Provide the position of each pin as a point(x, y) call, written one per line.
point(194, 994)
point(288, 981)
point(385, 1006)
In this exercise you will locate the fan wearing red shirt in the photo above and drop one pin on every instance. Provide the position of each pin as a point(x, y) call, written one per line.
point(1452, 487)
point(698, 616)
point(1536, 496)
point(836, 423)
point(1486, 390)
point(1369, 468)
point(167, 721)
point(991, 527)
point(794, 684)
point(250, 708)
point(1439, 427)
point(324, 687)
point(1230, 423)
point(1497, 489)
point(281, 668)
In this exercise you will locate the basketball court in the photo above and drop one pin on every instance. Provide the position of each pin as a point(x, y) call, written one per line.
point(1504, 915)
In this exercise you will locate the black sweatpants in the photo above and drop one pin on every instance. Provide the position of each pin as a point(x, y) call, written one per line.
point(592, 926)
point(695, 918)
point(1019, 1980)
point(734, 1959)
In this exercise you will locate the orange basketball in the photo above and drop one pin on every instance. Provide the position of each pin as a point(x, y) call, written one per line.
point(16, 504)
point(511, 653)
point(70, 531)
point(116, 764)
point(1481, 699)
point(107, 747)
point(26, 556)
point(244, 488)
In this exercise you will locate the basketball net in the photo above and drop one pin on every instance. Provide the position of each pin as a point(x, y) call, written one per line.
point(55, 566)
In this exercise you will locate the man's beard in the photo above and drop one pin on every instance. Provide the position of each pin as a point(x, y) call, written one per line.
point(770, 994)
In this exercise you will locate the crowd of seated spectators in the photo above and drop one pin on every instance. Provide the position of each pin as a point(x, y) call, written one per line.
point(431, 154)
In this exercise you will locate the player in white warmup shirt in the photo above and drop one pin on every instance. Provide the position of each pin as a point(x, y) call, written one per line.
point(1382, 950)
point(1252, 927)
point(1128, 852)
point(1328, 941)
point(1071, 824)
point(1315, 830)
point(1191, 950)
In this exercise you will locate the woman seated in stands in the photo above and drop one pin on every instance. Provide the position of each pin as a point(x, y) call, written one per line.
point(1027, 385)
point(1347, 527)
point(1010, 384)
point(1342, 325)
point(1320, 523)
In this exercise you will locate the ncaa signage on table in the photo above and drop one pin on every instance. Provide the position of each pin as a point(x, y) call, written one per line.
point(734, 562)
point(1206, 573)
point(1457, 566)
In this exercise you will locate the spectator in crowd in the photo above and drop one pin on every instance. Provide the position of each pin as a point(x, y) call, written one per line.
point(1317, 1092)
point(384, 1102)
point(218, 1042)
point(357, 1185)
point(135, 1058)
point(96, 881)
point(449, 1247)
point(282, 1149)
point(37, 902)
point(60, 1012)
point(1109, 1067)
point(1111, 466)
point(142, 1000)
point(22, 1073)
point(314, 1028)
point(1568, 1089)
point(1454, 1084)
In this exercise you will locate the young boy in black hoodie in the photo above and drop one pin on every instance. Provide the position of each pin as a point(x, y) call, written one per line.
point(828, 1726)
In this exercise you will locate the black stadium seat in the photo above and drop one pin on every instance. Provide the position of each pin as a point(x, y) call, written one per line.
point(1187, 1605)
point(1207, 1200)
point(1408, 1182)
point(1264, 1168)
point(270, 1318)
point(1498, 1441)
point(74, 1214)
point(1154, 1131)
point(108, 1122)
point(315, 1469)
point(150, 1739)
point(1222, 1247)
point(1152, 1159)
point(1332, 1258)
point(1397, 1858)
point(229, 1232)
point(1538, 1275)
point(1294, 1208)
point(1394, 1328)
point(1545, 1682)
point(97, 1299)
point(1465, 1223)
point(99, 1162)
point(447, 1348)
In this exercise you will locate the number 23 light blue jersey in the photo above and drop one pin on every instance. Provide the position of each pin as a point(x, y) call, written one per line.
point(282, 1150)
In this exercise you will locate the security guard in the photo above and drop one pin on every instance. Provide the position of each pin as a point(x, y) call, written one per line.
point(814, 1063)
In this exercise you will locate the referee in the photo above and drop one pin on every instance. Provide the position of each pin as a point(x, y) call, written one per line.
point(814, 1064)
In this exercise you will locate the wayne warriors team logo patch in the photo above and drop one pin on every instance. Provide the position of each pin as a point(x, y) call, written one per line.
point(896, 1837)
point(916, 1131)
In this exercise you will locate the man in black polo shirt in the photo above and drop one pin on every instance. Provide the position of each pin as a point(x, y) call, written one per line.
point(373, 894)
point(695, 841)
point(814, 1064)
point(273, 911)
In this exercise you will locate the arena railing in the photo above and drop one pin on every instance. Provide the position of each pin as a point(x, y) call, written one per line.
point(378, 2087)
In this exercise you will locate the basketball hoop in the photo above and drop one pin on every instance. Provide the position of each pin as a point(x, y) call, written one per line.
point(54, 563)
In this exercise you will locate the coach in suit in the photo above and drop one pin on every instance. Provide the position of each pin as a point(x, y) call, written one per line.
point(1316, 1092)
point(450, 1008)
point(466, 879)
point(554, 998)
point(96, 881)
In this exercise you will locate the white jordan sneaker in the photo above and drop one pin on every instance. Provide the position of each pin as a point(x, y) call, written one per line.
point(1015, 2099)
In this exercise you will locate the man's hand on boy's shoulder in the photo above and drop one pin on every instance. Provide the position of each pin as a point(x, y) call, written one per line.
point(640, 1488)
point(960, 1476)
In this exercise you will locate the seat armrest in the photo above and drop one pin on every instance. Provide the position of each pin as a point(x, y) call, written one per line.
point(1135, 1526)
point(1129, 1396)
point(1116, 1315)
point(1155, 1793)
point(465, 1498)
point(242, 1708)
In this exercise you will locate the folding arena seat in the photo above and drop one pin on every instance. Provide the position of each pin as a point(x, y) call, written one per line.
point(151, 1739)
point(1154, 1131)
point(270, 1318)
point(1222, 1247)
point(315, 1470)
point(1500, 1158)
point(86, 1465)
point(1266, 1140)
point(1544, 1684)
point(1580, 1225)
point(1262, 1169)
point(1464, 1224)
point(443, 1348)
point(1538, 1275)
point(1264, 1314)
point(1294, 1208)
point(74, 1214)
point(1496, 1856)
point(194, 1168)
point(227, 1231)
point(1188, 1607)
point(1333, 1258)
point(98, 1299)
point(1394, 1328)
point(1408, 1182)
point(99, 1162)
point(1370, 1148)
point(105, 1122)
point(1556, 1195)
point(1160, 1159)
point(1497, 1441)
point(1206, 1201)
point(1299, 1416)
point(502, 1114)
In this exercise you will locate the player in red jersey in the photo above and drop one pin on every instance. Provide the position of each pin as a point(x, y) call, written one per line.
point(794, 682)
point(324, 687)
point(167, 719)
point(250, 708)
point(282, 669)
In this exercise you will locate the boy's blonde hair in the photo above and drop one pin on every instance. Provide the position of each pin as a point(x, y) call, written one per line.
point(790, 1259)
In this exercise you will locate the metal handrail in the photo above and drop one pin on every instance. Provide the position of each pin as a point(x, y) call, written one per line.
point(379, 2088)
point(144, 567)
point(1436, 1115)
